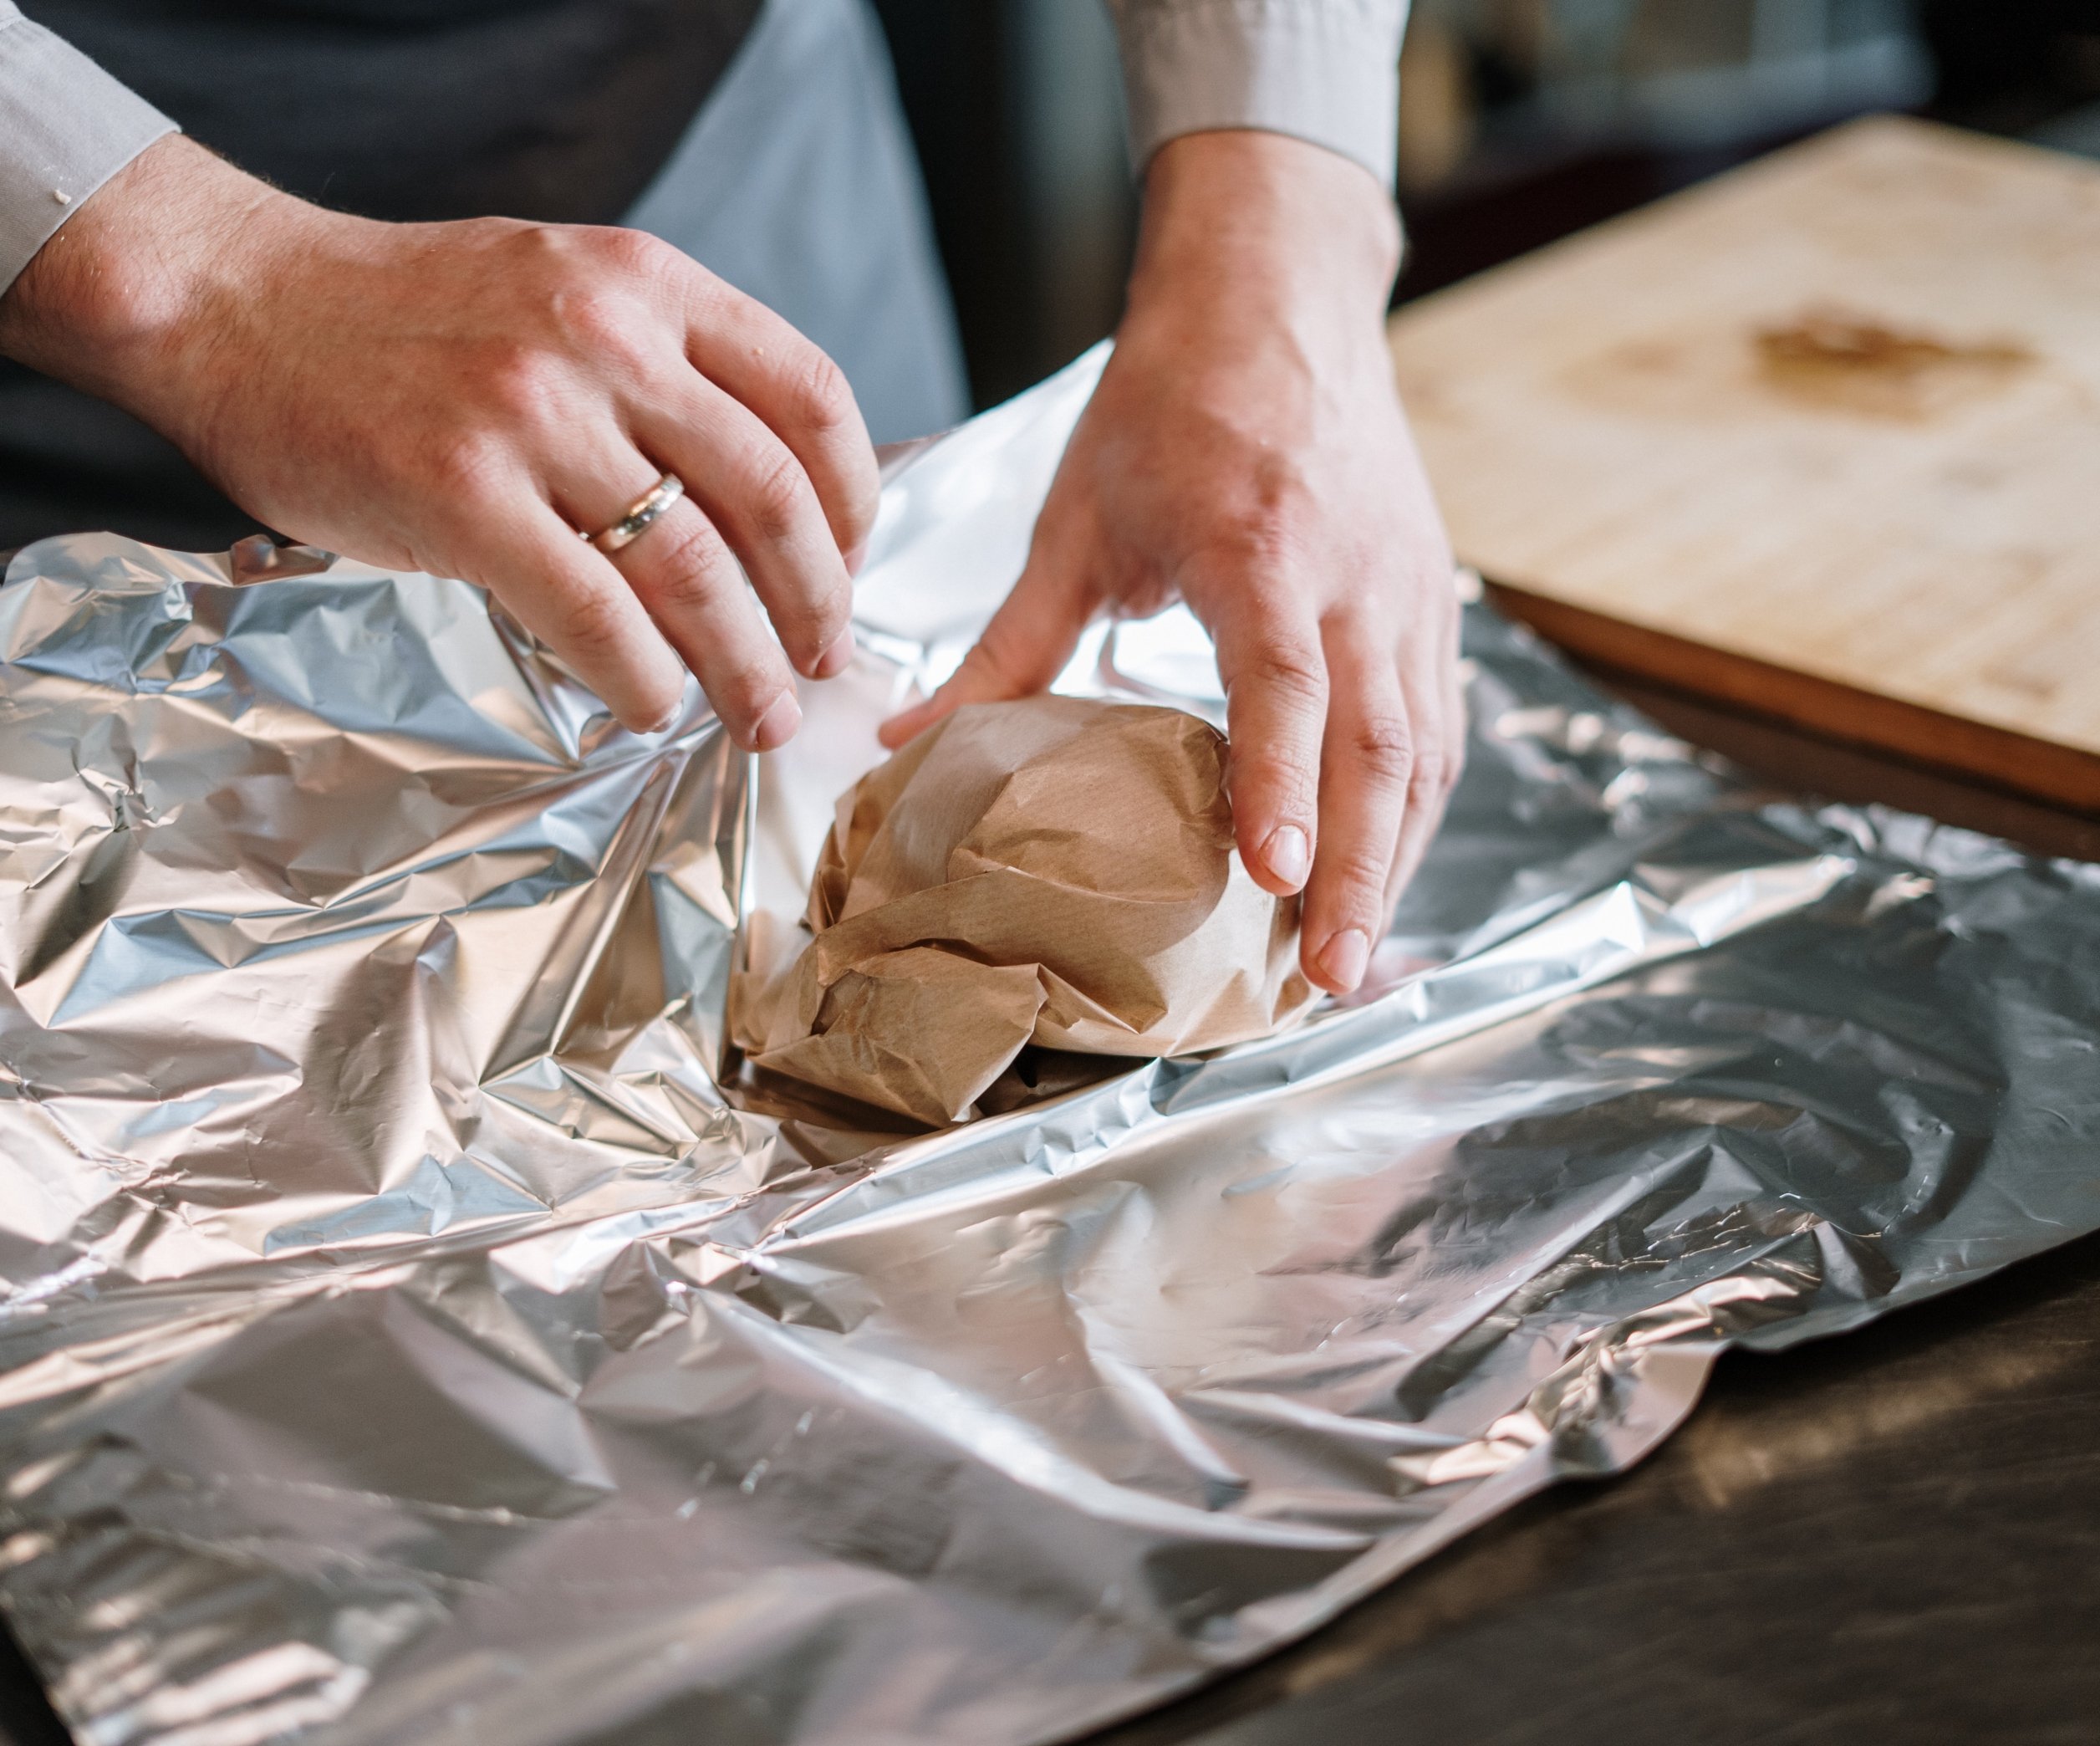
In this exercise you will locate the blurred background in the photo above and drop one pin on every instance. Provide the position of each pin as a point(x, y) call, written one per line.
point(1519, 120)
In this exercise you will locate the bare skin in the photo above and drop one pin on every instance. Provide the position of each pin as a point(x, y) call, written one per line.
point(1246, 453)
point(458, 397)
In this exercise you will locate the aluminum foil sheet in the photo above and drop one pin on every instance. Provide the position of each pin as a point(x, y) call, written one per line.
point(415, 1329)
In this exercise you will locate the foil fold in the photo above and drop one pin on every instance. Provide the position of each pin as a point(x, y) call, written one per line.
point(416, 1323)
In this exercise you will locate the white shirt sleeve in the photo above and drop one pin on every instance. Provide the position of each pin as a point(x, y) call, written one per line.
point(66, 127)
point(1323, 71)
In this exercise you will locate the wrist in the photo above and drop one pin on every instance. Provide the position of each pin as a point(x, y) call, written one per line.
point(1263, 221)
point(117, 302)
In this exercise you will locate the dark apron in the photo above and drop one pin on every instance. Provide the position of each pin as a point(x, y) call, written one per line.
point(561, 110)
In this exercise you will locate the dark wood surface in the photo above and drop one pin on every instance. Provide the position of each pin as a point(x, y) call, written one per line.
point(1891, 1536)
point(1894, 1535)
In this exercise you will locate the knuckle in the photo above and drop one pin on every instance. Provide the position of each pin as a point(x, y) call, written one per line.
point(1268, 527)
point(1288, 674)
point(633, 252)
point(1384, 747)
point(576, 254)
point(1359, 874)
point(1434, 774)
point(1271, 778)
point(607, 284)
point(691, 567)
point(543, 241)
point(773, 493)
point(519, 383)
point(601, 320)
point(591, 622)
point(821, 402)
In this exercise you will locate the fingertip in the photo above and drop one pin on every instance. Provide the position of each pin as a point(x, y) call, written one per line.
point(1285, 861)
point(1340, 965)
point(654, 706)
point(835, 659)
point(776, 726)
point(641, 720)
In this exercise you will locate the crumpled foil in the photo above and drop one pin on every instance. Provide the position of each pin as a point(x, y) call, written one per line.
point(417, 1327)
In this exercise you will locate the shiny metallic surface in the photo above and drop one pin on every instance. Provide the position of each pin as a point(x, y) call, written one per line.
point(418, 1327)
point(642, 514)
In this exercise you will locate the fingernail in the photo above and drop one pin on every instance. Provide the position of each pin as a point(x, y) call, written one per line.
point(832, 661)
point(1288, 855)
point(1344, 957)
point(855, 557)
point(778, 726)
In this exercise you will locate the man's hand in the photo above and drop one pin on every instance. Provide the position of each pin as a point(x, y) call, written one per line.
point(460, 398)
point(1246, 452)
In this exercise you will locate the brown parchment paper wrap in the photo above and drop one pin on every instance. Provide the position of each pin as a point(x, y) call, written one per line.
point(1057, 870)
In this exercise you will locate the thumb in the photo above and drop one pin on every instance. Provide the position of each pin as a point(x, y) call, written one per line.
point(1025, 646)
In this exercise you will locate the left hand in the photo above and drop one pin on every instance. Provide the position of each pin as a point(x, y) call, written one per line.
point(1246, 452)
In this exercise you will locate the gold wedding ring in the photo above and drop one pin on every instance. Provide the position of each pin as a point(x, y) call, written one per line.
point(644, 510)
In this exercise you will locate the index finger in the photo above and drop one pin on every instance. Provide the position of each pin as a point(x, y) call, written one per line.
point(756, 356)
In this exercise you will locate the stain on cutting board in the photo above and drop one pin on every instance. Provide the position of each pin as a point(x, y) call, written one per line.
point(1822, 358)
point(1846, 362)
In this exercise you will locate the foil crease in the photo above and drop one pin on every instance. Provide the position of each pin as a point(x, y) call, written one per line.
point(416, 1325)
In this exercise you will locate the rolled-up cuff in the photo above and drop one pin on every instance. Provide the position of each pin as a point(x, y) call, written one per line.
point(1323, 71)
point(66, 127)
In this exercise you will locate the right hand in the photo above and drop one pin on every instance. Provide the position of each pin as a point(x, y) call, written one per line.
point(459, 398)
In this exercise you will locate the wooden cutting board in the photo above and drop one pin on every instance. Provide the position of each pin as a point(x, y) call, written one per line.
point(1821, 438)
